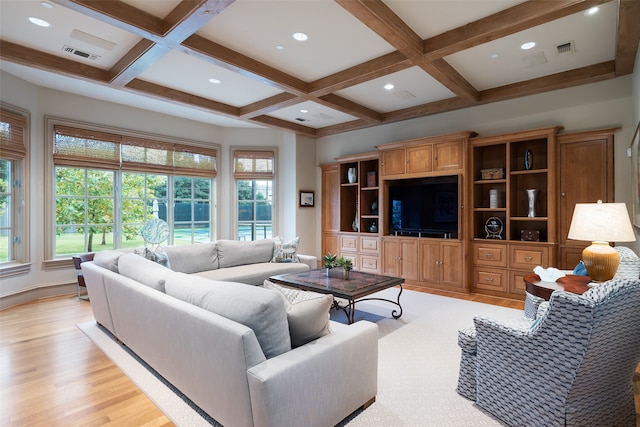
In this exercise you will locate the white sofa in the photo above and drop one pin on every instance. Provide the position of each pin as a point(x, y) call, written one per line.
point(227, 346)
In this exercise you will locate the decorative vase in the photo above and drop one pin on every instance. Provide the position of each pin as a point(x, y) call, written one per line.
point(374, 208)
point(532, 195)
point(355, 225)
point(338, 273)
point(373, 228)
point(352, 175)
point(528, 159)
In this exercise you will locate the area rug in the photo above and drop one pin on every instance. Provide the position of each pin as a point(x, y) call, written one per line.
point(417, 372)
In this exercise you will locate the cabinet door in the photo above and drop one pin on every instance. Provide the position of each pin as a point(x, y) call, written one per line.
point(409, 259)
point(419, 159)
point(429, 261)
point(391, 257)
point(451, 264)
point(392, 162)
point(447, 156)
point(585, 171)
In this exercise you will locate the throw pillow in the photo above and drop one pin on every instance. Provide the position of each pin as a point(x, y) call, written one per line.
point(307, 313)
point(285, 251)
point(155, 256)
point(144, 271)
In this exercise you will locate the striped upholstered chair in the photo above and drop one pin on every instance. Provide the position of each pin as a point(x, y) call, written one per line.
point(572, 366)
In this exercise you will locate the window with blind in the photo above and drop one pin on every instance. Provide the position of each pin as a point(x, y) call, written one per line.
point(108, 185)
point(254, 174)
point(13, 190)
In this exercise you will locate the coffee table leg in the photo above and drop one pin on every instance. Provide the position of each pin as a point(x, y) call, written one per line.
point(395, 313)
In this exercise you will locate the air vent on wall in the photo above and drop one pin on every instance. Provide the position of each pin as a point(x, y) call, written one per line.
point(74, 51)
point(568, 47)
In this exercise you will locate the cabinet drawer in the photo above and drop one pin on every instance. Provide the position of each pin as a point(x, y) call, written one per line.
point(369, 244)
point(490, 279)
point(516, 282)
point(369, 263)
point(526, 257)
point(487, 254)
point(348, 243)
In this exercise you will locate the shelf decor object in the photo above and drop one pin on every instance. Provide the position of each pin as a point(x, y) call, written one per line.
point(352, 175)
point(532, 196)
point(494, 227)
point(601, 223)
point(528, 159)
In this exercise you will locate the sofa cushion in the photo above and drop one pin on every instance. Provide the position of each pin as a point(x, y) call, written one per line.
point(253, 274)
point(285, 251)
point(193, 258)
point(307, 313)
point(260, 309)
point(234, 252)
point(158, 256)
point(143, 270)
point(108, 259)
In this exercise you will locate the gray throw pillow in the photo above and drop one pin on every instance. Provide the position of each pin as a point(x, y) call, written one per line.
point(285, 251)
point(142, 270)
point(108, 259)
point(307, 313)
point(192, 258)
point(256, 307)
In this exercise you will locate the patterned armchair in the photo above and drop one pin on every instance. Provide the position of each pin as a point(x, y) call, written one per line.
point(572, 366)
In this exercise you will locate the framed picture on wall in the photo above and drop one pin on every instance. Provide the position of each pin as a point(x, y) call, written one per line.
point(634, 149)
point(307, 199)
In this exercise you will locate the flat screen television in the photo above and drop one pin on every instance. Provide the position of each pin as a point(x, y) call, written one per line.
point(424, 207)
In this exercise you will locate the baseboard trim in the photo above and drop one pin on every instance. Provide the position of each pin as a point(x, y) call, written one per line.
point(35, 294)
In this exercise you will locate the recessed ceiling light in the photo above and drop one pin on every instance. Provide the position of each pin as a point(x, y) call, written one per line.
point(304, 111)
point(300, 36)
point(495, 55)
point(39, 22)
point(214, 81)
point(280, 47)
point(389, 86)
point(528, 45)
point(591, 11)
point(46, 4)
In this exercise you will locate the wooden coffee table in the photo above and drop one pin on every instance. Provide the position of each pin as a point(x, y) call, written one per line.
point(358, 286)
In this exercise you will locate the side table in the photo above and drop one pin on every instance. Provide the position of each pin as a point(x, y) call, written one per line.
point(538, 290)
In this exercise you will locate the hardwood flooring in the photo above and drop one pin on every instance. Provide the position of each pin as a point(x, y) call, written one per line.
point(52, 375)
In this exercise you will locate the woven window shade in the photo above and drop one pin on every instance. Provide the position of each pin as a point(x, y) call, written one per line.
point(103, 150)
point(85, 148)
point(253, 164)
point(188, 160)
point(12, 128)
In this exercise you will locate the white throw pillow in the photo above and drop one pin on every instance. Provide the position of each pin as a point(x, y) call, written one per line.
point(285, 251)
point(307, 313)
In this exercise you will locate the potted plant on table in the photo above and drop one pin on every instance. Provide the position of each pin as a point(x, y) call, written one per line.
point(337, 267)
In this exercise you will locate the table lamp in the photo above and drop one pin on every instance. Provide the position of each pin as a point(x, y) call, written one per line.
point(601, 223)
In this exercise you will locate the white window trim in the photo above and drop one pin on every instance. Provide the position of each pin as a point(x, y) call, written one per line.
point(23, 253)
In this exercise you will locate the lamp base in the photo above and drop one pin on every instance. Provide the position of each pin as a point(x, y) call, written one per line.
point(601, 261)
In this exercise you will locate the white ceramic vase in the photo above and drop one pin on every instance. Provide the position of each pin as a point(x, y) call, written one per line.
point(352, 175)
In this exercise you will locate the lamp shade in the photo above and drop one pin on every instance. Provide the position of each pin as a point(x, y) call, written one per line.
point(601, 222)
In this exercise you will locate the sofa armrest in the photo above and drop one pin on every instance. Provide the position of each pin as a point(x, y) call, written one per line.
point(299, 387)
point(310, 260)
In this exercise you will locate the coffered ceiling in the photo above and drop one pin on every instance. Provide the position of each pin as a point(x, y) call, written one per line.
point(439, 55)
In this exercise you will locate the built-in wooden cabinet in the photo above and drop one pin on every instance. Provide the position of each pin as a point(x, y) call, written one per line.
point(441, 264)
point(423, 155)
point(585, 175)
point(514, 199)
point(400, 257)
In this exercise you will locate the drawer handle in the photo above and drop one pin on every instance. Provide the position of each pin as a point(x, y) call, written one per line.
point(489, 255)
point(489, 279)
point(528, 258)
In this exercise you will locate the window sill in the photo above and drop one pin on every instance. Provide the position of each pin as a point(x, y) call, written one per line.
point(58, 264)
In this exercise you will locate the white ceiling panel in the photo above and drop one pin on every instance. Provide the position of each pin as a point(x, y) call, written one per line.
point(314, 115)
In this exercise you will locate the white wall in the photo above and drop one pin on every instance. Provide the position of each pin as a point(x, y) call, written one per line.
point(42, 101)
point(599, 105)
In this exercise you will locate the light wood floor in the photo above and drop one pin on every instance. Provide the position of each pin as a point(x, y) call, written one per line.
point(51, 374)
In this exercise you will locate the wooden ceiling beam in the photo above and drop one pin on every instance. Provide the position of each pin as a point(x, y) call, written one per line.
point(383, 21)
point(509, 21)
point(349, 107)
point(55, 64)
point(628, 36)
point(268, 105)
point(274, 122)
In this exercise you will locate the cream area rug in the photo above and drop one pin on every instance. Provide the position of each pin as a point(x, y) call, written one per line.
point(417, 371)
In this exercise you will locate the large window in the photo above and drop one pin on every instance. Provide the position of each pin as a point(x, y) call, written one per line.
point(253, 172)
point(108, 185)
point(13, 187)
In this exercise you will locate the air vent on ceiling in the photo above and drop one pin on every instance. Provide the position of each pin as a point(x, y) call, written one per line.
point(300, 119)
point(92, 40)
point(404, 94)
point(322, 116)
point(568, 47)
point(74, 51)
